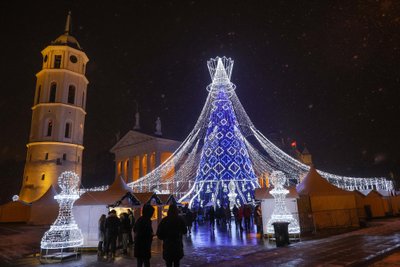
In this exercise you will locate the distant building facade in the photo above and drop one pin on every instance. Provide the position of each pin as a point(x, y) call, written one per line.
point(137, 154)
point(58, 117)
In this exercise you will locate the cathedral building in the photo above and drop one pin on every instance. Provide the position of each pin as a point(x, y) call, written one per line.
point(58, 116)
point(137, 154)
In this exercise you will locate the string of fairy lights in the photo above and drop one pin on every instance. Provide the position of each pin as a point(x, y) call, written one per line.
point(280, 212)
point(178, 173)
point(64, 232)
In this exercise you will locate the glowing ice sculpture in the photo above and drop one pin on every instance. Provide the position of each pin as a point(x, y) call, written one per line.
point(64, 232)
point(280, 213)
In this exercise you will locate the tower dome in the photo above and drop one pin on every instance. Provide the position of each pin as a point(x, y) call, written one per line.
point(66, 38)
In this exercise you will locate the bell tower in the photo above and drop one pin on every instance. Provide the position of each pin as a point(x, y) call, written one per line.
point(58, 116)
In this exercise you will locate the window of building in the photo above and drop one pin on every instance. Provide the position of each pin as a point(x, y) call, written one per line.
point(38, 94)
point(57, 61)
point(79, 159)
point(53, 92)
point(26, 178)
point(83, 99)
point(49, 127)
point(43, 176)
point(71, 94)
point(30, 157)
point(47, 156)
point(67, 133)
point(64, 156)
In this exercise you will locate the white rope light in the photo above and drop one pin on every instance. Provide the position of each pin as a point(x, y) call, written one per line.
point(264, 157)
point(64, 232)
point(280, 213)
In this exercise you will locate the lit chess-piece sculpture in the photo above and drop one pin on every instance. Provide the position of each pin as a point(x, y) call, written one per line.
point(64, 232)
point(280, 213)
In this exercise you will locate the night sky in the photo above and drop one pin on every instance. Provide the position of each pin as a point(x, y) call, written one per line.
point(323, 73)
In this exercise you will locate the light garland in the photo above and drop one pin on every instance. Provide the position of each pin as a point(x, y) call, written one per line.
point(64, 232)
point(221, 121)
point(280, 212)
point(93, 189)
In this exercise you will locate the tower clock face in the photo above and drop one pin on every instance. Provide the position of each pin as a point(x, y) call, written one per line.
point(73, 59)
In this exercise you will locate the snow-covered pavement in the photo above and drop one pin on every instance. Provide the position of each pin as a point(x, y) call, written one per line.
point(229, 248)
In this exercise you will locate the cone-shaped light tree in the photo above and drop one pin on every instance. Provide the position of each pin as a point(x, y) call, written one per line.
point(225, 175)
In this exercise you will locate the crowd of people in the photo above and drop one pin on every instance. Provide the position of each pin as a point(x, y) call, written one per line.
point(116, 232)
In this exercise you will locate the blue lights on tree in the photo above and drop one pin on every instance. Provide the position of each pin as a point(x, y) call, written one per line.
point(225, 175)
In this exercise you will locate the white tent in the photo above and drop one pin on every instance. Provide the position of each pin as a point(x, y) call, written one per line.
point(328, 205)
point(14, 211)
point(44, 210)
point(91, 205)
point(370, 204)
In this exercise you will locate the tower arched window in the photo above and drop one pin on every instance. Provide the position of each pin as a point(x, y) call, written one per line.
point(39, 91)
point(68, 128)
point(43, 176)
point(53, 92)
point(57, 61)
point(71, 94)
point(49, 127)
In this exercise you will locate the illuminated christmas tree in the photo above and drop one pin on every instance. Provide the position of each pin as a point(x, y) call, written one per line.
point(221, 159)
point(225, 175)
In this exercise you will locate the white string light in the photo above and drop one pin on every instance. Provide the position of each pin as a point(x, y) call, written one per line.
point(280, 212)
point(265, 157)
point(64, 232)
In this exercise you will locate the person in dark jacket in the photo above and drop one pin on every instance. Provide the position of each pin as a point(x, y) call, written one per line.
point(143, 237)
point(132, 223)
point(112, 228)
point(102, 235)
point(170, 231)
point(125, 229)
point(211, 216)
point(189, 220)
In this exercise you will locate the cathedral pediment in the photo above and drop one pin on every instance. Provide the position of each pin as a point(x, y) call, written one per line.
point(132, 138)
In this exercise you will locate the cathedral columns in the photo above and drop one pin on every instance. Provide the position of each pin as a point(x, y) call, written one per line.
point(140, 166)
point(129, 174)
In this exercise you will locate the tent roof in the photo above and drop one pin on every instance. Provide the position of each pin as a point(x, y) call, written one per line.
point(314, 184)
point(47, 198)
point(114, 193)
point(166, 199)
point(147, 197)
point(384, 193)
point(364, 192)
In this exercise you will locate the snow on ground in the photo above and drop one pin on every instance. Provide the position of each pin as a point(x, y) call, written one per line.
point(18, 240)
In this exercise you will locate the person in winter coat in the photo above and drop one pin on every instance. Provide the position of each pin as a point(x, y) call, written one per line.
point(189, 220)
point(143, 237)
point(258, 218)
point(211, 216)
point(125, 229)
point(102, 235)
point(239, 218)
point(132, 223)
point(112, 228)
point(247, 216)
point(170, 231)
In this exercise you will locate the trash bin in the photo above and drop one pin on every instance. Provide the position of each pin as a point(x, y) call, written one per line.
point(281, 233)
